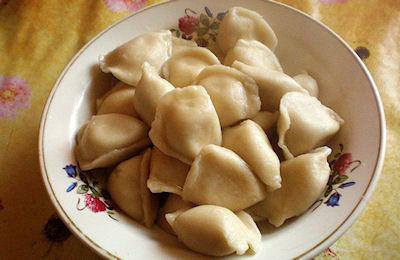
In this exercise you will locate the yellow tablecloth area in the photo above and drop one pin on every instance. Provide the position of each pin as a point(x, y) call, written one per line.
point(37, 40)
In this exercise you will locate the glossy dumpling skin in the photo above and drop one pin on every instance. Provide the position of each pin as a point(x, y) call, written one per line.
point(149, 91)
point(109, 139)
point(234, 95)
point(249, 141)
point(304, 179)
point(185, 122)
point(127, 186)
point(253, 53)
point(304, 124)
point(241, 23)
point(167, 174)
point(216, 231)
point(308, 83)
point(172, 204)
point(125, 62)
point(117, 100)
point(266, 120)
point(220, 177)
point(272, 85)
point(186, 63)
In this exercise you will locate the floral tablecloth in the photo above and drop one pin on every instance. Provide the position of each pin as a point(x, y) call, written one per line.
point(38, 38)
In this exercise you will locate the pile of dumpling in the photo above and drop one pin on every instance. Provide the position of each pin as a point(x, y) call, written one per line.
point(231, 143)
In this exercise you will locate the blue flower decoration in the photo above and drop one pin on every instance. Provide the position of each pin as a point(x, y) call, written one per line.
point(72, 186)
point(70, 170)
point(333, 200)
point(347, 184)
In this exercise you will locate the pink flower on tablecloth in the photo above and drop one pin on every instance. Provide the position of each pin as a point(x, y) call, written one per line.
point(334, 1)
point(125, 5)
point(15, 94)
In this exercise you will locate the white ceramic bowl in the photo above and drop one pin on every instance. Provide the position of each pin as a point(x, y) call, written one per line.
point(345, 85)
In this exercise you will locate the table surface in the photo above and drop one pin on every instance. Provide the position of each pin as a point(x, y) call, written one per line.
point(37, 40)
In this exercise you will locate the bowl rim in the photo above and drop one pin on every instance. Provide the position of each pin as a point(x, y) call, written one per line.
point(309, 253)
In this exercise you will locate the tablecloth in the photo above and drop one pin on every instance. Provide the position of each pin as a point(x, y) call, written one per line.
point(37, 40)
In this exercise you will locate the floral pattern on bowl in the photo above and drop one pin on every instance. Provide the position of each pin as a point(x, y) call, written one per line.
point(201, 28)
point(95, 198)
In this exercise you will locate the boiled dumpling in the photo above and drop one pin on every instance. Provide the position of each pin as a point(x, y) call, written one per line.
point(149, 91)
point(303, 181)
point(184, 65)
point(127, 186)
point(304, 124)
point(266, 120)
point(172, 204)
point(109, 139)
point(253, 53)
point(218, 176)
point(216, 231)
point(181, 44)
point(117, 100)
point(249, 141)
point(185, 122)
point(308, 83)
point(272, 85)
point(241, 23)
point(125, 62)
point(167, 174)
point(234, 95)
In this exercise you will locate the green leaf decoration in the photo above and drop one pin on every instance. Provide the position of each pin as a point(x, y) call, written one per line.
point(177, 33)
point(213, 37)
point(340, 179)
point(204, 20)
point(202, 31)
point(208, 11)
point(95, 193)
point(82, 189)
point(328, 191)
point(214, 26)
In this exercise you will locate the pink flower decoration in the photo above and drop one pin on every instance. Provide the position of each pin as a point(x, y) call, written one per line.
point(94, 204)
point(342, 163)
point(125, 5)
point(15, 94)
point(333, 1)
point(188, 24)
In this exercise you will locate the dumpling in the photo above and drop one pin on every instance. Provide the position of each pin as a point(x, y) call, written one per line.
point(184, 65)
point(185, 122)
point(216, 231)
point(249, 141)
point(118, 100)
point(167, 174)
point(220, 177)
point(181, 44)
point(125, 62)
point(304, 124)
point(272, 85)
point(241, 23)
point(149, 91)
point(127, 186)
point(308, 83)
point(253, 53)
point(109, 139)
point(303, 181)
point(172, 204)
point(234, 95)
point(266, 120)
